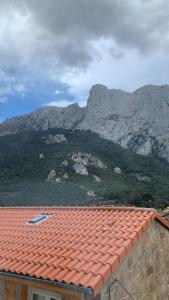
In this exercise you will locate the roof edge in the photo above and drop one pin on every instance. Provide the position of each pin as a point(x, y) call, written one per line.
point(78, 288)
point(99, 207)
point(162, 220)
point(164, 213)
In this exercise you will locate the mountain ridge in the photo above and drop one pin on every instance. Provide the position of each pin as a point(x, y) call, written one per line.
point(136, 120)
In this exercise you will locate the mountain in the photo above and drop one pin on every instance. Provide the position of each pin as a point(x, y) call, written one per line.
point(138, 121)
point(70, 167)
point(43, 119)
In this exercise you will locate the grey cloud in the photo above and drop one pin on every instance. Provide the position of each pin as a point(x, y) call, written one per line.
point(132, 23)
point(60, 35)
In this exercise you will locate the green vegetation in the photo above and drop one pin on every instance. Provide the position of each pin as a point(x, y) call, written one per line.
point(23, 173)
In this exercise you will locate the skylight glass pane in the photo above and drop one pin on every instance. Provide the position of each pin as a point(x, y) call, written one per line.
point(37, 219)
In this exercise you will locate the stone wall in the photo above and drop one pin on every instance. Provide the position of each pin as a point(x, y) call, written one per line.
point(145, 271)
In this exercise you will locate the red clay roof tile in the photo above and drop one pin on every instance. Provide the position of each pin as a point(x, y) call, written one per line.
point(80, 246)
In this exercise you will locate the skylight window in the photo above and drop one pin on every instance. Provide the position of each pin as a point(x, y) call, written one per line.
point(38, 219)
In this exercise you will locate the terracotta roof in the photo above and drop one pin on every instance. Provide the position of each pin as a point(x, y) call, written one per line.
point(79, 246)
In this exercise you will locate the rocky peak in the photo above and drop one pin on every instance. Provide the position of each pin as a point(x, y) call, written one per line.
point(45, 118)
point(103, 102)
point(151, 89)
point(138, 120)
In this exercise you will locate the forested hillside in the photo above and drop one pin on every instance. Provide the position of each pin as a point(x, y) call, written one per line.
point(64, 167)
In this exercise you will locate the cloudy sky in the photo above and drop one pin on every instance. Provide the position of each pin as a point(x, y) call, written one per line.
point(52, 52)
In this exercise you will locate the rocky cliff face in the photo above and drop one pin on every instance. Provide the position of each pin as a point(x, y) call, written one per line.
point(43, 119)
point(138, 120)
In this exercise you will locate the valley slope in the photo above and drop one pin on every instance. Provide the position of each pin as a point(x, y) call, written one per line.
point(77, 167)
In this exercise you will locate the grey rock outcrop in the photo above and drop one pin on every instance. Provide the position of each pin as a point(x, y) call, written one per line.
point(86, 159)
point(142, 177)
point(80, 169)
point(55, 139)
point(66, 176)
point(58, 180)
point(96, 178)
point(117, 170)
point(83, 160)
point(43, 119)
point(41, 156)
point(65, 163)
point(138, 120)
point(91, 194)
point(51, 176)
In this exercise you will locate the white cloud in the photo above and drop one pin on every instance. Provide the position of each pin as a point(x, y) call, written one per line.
point(3, 100)
point(12, 88)
point(63, 103)
point(58, 92)
point(20, 88)
point(5, 90)
point(115, 42)
point(58, 103)
point(6, 77)
point(130, 72)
